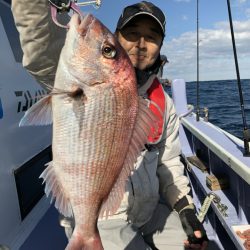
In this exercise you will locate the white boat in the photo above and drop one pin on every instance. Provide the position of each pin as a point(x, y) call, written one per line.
point(27, 219)
point(216, 166)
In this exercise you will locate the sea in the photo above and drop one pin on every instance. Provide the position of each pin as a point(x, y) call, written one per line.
point(223, 102)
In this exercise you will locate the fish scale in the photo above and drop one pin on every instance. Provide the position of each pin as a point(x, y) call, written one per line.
point(86, 181)
point(93, 149)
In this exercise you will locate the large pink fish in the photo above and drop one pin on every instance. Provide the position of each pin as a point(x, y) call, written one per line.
point(100, 125)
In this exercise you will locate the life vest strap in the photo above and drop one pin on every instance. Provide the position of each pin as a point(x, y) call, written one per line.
point(158, 106)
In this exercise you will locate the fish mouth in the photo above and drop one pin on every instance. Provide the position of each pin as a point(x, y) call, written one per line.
point(81, 25)
point(85, 24)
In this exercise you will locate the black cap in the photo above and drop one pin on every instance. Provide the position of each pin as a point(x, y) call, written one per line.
point(142, 8)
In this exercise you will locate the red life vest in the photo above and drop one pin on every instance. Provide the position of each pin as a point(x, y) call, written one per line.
point(157, 96)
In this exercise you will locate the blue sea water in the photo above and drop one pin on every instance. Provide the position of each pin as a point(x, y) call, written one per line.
point(223, 101)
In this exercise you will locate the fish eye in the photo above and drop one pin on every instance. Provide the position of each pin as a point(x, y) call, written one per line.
point(108, 51)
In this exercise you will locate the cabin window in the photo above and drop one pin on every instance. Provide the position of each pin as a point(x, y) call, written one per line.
point(29, 186)
point(11, 31)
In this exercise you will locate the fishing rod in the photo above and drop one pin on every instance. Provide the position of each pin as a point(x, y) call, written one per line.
point(95, 3)
point(246, 137)
point(197, 60)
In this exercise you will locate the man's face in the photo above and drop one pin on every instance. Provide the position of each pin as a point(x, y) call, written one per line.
point(141, 38)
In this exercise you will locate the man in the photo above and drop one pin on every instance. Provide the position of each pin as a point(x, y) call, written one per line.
point(157, 202)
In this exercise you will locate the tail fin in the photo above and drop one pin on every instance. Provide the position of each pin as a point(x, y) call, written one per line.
point(77, 242)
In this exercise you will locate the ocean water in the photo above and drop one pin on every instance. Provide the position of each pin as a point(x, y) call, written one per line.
point(223, 101)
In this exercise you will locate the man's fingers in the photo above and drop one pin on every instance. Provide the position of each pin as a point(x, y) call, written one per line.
point(195, 245)
point(204, 245)
point(198, 234)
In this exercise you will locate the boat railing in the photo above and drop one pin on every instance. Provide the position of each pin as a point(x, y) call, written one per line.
point(212, 154)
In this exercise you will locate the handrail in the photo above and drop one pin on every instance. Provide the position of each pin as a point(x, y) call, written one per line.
point(220, 150)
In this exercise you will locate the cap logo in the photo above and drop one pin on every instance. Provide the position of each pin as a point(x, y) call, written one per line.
point(145, 7)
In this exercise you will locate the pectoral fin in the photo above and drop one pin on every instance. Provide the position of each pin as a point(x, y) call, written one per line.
point(39, 114)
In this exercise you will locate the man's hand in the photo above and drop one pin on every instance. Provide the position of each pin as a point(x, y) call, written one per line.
point(197, 238)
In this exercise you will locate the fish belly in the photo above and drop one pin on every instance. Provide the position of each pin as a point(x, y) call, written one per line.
point(90, 143)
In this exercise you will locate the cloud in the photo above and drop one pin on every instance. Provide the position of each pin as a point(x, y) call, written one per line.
point(184, 18)
point(247, 12)
point(216, 53)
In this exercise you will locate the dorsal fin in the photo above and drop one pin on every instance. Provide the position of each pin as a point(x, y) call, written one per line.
point(145, 121)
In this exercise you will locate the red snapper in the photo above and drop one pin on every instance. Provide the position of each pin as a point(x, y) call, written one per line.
point(100, 126)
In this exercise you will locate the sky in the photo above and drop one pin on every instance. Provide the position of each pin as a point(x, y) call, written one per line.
point(216, 60)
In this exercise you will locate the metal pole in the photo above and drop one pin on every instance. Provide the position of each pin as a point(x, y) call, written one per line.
point(197, 60)
point(246, 137)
